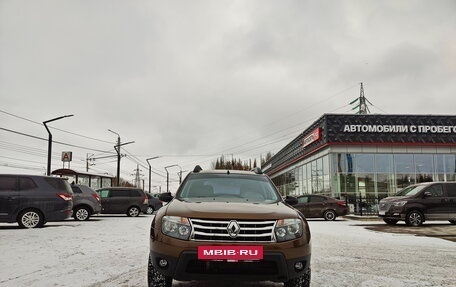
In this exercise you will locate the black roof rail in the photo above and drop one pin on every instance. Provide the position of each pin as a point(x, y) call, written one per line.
point(197, 169)
point(257, 170)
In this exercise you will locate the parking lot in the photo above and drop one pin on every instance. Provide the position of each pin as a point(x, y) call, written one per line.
point(113, 250)
point(440, 229)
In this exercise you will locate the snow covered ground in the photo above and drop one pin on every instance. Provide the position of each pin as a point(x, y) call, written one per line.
point(113, 251)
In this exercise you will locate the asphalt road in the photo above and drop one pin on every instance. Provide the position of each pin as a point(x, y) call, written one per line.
point(438, 229)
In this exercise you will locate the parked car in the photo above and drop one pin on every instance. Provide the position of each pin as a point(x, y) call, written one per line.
point(154, 203)
point(123, 200)
point(86, 202)
point(33, 200)
point(229, 225)
point(321, 206)
point(418, 203)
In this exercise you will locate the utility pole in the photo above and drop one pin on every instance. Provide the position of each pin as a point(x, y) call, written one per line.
point(362, 107)
point(138, 177)
point(92, 158)
point(117, 148)
point(87, 161)
point(180, 175)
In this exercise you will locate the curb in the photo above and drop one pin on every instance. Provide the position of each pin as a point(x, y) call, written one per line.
point(362, 218)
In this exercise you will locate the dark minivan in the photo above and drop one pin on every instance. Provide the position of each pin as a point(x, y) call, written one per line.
point(33, 200)
point(420, 202)
point(123, 200)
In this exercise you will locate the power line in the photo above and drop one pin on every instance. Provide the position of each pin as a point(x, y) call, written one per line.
point(65, 131)
point(55, 142)
point(23, 166)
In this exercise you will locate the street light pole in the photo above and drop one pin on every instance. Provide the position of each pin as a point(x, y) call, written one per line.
point(150, 171)
point(48, 172)
point(167, 176)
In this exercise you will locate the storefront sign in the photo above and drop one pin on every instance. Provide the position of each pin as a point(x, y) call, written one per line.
point(313, 137)
point(399, 129)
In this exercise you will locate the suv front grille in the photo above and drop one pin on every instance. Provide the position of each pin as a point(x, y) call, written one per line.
point(217, 230)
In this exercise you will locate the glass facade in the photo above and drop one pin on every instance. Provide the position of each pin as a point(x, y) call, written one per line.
point(362, 179)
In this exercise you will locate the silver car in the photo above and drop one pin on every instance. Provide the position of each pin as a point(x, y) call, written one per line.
point(86, 202)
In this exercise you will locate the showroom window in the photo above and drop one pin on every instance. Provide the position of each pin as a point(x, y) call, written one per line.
point(405, 171)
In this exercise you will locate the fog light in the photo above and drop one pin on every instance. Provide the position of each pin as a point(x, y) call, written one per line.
point(299, 266)
point(163, 263)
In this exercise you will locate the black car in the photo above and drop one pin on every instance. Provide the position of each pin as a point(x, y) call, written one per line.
point(33, 200)
point(420, 202)
point(321, 206)
point(86, 202)
point(154, 203)
point(123, 200)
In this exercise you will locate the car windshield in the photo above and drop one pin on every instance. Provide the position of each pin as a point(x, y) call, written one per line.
point(410, 190)
point(229, 187)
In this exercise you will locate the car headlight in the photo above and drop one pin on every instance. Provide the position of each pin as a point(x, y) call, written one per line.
point(177, 227)
point(288, 229)
point(399, 203)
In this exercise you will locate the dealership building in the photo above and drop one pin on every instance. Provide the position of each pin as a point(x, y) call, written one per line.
point(363, 158)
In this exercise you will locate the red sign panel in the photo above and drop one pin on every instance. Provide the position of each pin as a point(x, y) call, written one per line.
point(313, 137)
point(67, 156)
point(230, 253)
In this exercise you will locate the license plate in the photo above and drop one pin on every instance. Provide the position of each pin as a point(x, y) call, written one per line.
point(230, 253)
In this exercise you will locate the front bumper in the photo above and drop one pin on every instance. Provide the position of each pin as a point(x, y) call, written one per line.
point(392, 214)
point(273, 267)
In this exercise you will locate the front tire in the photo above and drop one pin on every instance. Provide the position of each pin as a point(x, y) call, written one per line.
point(30, 218)
point(133, 211)
point(81, 214)
point(155, 278)
point(414, 218)
point(301, 281)
point(329, 215)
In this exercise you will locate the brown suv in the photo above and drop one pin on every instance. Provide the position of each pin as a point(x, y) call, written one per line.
point(229, 225)
point(420, 202)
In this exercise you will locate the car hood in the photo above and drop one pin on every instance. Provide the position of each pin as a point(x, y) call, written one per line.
point(230, 210)
point(395, 198)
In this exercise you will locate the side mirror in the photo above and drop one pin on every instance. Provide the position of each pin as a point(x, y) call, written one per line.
point(427, 194)
point(291, 200)
point(166, 197)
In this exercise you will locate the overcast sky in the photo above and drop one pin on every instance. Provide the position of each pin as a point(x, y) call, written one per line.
point(190, 81)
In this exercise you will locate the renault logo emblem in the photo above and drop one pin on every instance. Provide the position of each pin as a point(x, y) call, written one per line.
point(233, 229)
